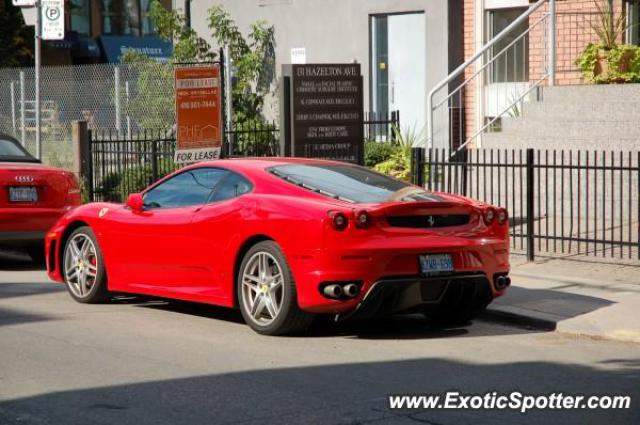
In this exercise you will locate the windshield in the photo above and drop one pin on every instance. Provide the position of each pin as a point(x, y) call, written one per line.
point(12, 151)
point(350, 183)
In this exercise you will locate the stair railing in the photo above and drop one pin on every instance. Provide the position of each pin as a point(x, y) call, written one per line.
point(492, 75)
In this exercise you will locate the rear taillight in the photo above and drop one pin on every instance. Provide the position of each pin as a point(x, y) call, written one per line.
point(363, 220)
point(503, 216)
point(339, 221)
point(74, 197)
point(489, 215)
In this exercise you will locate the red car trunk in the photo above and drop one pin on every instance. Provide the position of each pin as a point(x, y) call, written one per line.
point(32, 196)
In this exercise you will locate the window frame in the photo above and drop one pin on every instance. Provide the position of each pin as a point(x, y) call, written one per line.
point(208, 200)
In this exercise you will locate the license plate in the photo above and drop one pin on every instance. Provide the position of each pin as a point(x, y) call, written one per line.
point(23, 194)
point(436, 263)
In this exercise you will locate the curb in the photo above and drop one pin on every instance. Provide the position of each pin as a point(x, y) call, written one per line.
point(497, 314)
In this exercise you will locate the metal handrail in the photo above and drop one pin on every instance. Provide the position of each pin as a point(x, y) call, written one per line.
point(460, 69)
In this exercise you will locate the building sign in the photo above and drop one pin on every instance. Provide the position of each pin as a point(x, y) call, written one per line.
point(52, 19)
point(115, 46)
point(198, 114)
point(299, 55)
point(24, 3)
point(327, 112)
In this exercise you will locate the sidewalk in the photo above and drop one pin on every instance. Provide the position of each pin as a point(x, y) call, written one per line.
point(577, 297)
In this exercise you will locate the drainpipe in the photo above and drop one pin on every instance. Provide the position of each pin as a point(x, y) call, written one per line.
point(552, 42)
point(187, 13)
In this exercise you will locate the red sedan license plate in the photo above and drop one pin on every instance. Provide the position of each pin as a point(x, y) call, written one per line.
point(23, 194)
point(436, 263)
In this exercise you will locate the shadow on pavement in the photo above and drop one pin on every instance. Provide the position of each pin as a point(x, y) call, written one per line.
point(394, 327)
point(350, 393)
point(17, 261)
point(9, 316)
point(563, 305)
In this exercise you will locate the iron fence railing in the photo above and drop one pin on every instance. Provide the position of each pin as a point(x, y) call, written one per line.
point(560, 202)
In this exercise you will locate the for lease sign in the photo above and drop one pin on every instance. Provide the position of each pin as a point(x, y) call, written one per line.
point(198, 113)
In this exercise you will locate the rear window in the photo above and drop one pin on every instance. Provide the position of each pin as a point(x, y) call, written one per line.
point(350, 183)
point(10, 150)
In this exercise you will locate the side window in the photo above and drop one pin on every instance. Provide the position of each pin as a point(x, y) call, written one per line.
point(234, 185)
point(191, 187)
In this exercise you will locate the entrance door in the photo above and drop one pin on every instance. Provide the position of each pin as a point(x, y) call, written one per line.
point(398, 68)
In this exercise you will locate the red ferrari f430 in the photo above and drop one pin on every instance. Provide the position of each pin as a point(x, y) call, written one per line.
point(286, 239)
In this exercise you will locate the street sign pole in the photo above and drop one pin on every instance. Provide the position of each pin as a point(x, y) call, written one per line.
point(38, 32)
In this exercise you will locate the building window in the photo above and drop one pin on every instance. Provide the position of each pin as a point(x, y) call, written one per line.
point(146, 24)
point(121, 17)
point(512, 60)
point(80, 11)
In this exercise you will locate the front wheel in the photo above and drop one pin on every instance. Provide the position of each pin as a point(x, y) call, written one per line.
point(83, 267)
point(267, 292)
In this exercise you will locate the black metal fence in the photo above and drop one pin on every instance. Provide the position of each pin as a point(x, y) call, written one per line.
point(122, 164)
point(381, 126)
point(563, 202)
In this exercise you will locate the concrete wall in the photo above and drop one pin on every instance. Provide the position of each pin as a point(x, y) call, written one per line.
point(333, 30)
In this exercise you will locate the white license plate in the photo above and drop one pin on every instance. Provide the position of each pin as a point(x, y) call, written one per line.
point(23, 194)
point(436, 263)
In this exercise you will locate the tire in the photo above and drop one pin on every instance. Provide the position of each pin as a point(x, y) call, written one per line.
point(269, 307)
point(459, 305)
point(36, 252)
point(83, 267)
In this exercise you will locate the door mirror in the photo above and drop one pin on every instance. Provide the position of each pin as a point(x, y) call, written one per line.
point(135, 202)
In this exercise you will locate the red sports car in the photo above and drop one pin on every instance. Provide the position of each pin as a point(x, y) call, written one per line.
point(32, 198)
point(284, 239)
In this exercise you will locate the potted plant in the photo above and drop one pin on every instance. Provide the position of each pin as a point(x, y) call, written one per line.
point(609, 61)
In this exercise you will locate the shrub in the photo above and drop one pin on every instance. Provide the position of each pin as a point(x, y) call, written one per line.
point(378, 152)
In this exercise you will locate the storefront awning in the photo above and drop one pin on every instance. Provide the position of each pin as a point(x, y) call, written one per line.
point(114, 47)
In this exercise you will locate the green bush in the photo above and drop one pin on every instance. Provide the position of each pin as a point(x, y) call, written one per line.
point(622, 63)
point(398, 165)
point(378, 152)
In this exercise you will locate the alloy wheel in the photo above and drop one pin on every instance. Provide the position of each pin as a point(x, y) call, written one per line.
point(80, 265)
point(262, 288)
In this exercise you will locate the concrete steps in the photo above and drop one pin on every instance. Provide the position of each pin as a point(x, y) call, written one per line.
point(574, 117)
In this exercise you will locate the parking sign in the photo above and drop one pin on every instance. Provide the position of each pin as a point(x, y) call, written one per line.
point(52, 19)
point(24, 3)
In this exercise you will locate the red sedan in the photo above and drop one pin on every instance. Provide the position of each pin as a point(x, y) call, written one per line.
point(32, 198)
point(284, 239)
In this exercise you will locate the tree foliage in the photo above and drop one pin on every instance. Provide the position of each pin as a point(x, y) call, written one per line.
point(253, 59)
point(16, 39)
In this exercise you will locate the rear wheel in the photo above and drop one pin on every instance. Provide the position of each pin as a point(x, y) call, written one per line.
point(267, 292)
point(83, 267)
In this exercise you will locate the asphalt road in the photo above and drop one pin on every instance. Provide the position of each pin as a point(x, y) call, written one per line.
point(151, 362)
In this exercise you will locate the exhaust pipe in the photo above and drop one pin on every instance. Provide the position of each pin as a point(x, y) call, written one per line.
point(502, 282)
point(351, 290)
point(333, 291)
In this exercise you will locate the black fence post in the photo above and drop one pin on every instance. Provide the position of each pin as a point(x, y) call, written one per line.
point(530, 205)
point(417, 166)
point(154, 160)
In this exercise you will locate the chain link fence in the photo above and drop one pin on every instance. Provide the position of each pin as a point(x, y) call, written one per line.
point(122, 98)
